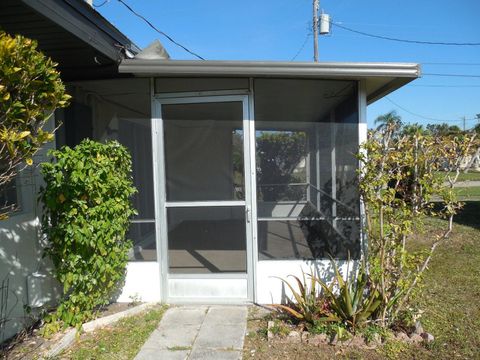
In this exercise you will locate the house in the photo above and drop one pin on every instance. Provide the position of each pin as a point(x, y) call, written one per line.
point(86, 46)
point(246, 170)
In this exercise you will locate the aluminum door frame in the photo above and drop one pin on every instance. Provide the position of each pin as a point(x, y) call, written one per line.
point(161, 204)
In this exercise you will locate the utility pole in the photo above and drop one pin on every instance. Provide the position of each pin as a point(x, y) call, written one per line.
point(464, 125)
point(316, 7)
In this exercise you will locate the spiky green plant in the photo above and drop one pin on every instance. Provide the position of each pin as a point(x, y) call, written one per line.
point(308, 305)
point(355, 299)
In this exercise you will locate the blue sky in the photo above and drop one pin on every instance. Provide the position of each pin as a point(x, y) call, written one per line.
point(276, 30)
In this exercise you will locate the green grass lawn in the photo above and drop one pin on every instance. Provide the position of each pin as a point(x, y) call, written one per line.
point(451, 296)
point(450, 300)
point(120, 341)
point(470, 176)
point(465, 193)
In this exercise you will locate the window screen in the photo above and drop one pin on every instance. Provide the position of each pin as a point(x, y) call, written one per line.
point(207, 239)
point(204, 151)
point(307, 196)
point(8, 196)
point(119, 110)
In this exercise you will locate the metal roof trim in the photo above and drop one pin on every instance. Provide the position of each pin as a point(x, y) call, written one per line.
point(269, 68)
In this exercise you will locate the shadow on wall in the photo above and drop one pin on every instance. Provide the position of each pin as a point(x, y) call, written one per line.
point(24, 281)
point(338, 233)
point(323, 270)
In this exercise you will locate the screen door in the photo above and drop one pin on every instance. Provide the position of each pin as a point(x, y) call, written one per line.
point(205, 197)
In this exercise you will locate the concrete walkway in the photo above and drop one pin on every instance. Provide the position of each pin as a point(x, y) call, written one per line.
point(198, 332)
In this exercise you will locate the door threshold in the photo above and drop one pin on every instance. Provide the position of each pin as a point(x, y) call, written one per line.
point(208, 301)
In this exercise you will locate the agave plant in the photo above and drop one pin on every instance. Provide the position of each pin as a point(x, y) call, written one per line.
point(356, 299)
point(308, 305)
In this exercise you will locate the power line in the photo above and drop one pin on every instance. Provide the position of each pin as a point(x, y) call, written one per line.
point(452, 75)
point(451, 63)
point(160, 31)
point(301, 47)
point(425, 117)
point(403, 40)
point(100, 5)
point(445, 86)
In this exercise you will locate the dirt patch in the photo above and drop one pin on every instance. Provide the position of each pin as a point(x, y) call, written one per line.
point(258, 346)
point(27, 344)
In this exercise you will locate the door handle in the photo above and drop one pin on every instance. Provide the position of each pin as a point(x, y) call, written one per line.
point(247, 213)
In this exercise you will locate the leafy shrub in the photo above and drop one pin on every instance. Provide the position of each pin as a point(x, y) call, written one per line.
point(398, 183)
point(30, 90)
point(87, 207)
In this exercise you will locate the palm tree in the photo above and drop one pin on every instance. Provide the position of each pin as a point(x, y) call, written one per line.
point(390, 119)
point(413, 129)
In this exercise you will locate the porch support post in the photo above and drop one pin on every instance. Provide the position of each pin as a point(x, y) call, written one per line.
point(252, 178)
point(159, 192)
point(333, 157)
point(362, 137)
point(317, 164)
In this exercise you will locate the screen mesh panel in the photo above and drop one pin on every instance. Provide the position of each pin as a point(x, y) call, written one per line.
point(204, 151)
point(307, 195)
point(206, 240)
point(120, 110)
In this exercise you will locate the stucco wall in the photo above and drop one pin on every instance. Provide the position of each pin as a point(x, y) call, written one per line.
point(22, 270)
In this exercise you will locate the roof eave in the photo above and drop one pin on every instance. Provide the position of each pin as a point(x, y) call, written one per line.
point(85, 23)
point(394, 75)
point(264, 68)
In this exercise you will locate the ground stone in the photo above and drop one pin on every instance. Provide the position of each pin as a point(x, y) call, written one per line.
point(304, 335)
point(427, 337)
point(418, 328)
point(376, 340)
point(335, 341)
point(270, 334)
point(416, 338)
point(294, 333)
point(294, 337)
point(319, 339)
point(402, 336)
point(357, 340)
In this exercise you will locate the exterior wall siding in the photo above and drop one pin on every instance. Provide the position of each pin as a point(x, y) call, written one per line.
point(23, 272)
